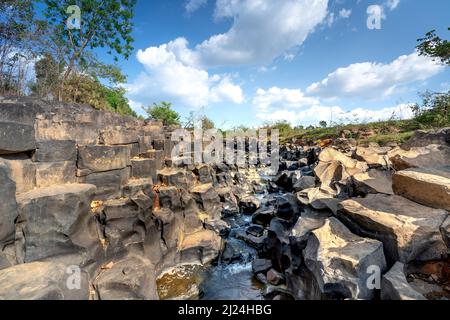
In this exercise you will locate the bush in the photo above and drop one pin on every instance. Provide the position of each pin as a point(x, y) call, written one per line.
point(163, 112)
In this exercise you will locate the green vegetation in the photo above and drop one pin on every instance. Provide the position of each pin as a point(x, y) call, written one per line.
point(163, 112)
point(435, 47)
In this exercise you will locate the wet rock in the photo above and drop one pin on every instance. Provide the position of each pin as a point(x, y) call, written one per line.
point(261, 266)
point(55, 150)
point(432, 156)
point(305, 182)
point(42, 281)
point(57, 222)
point(255, 242)
point(249, 205)
point(427, 186)
point(255, 230)
point(339, 260)
point(100, 158)
point(281, 228)
point(394, 285)
point(274, 277)
point(264, 215)
point(261, 278)
point(16, 137)
point(131, 278)
point(373, 181)
point(409, 231)
point(232, 253)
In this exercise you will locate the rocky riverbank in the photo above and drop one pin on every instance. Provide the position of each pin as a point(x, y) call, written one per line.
point(94, 199)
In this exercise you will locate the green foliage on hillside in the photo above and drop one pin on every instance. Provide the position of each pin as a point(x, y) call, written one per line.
point(163, 112)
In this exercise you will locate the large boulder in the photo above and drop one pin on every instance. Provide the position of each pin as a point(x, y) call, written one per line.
point(373, 181)
point(427, 186)
point(319, 198)
point(109, 184)
point(8, 207)
point(44, 281)
point(309, 221)
point(143, 168)
point(16, 137)
point(422, 138)
point(351, 166)
point(200, 247)
point(22, 171)
point(394, 285)
point(373, 156)
point(305, 182)
point(99, 158)
point(130, 278)
point(408, 230)
point(432, 156)
point(340, 260)
point(57, 223)
point(53, 173)
point(55, 150)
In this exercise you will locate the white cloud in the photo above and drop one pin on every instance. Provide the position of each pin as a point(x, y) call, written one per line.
point(280, 98)
point(194, 5)
point(314, 114)
point(261, 30)
point(392, 4)
point(171, 73)
point(345, 13)
point(375, 80)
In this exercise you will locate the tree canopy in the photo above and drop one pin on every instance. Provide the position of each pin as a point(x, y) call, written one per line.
point(163, 112)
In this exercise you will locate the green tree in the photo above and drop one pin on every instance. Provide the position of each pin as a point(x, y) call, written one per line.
point(434, 111)
point(104, 24)
point(433, 46)
point(323, 124)
point(163, 112)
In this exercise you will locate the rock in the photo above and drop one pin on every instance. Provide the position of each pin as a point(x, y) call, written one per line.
point(229, 201)
point(208, 200)
point(57, 223)
point(131, 278)
point(100, 158)
point(409, 231)
point(22, 171)
point(8, 208)
point(432, 156)
point(170, 198)
point(109, 184)
point(427, 186)
point(373, 181)
point(204, 174)
point(120, 135)
point(305, 182)
point(16, 137)
point(274, 277)
point(145, 143)
point(423, 138)
point(287, 179)
point(249, 205)
point(53, 173)
point(394, 285)
point(55, 150)
point(351, 166)
point(255, 242)
point(255, 230)
point(445, 230)
point(43, 281)
point(134, 186)
point(309, 221)
point(175, 177)
point(263, 215)
point(208, 242)
point(143, 168)
point(220, 227)
point(318, 198)
point(231, 253)
point(374, 157)
point(340, 260)
point(261, 266)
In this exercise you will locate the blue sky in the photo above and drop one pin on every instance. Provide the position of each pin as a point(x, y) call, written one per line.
point(246, 62)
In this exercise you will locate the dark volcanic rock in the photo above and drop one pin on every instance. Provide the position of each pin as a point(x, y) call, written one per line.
point(16, 137)
point(55, 150)
point(255, 230)
point(99, 158)
point(261, 266)
point(8, 207)
point(263, 216)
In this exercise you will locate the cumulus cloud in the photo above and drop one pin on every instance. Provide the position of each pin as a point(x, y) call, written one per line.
point(194, 5)
point(375, 80)
point(171, 73)
point(314, 114)
point(279, 98)
point(261, 30)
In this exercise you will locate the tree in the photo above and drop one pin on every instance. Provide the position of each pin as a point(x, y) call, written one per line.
point(323, 124)
point(434, 111)
point(435, 47)
point(163, 112)
point(47, 77)
point(104, 24)
point(207, 123)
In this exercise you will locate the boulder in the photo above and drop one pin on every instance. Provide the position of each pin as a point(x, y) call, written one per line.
point(100, 158)
point(309, 221)
point(445, 230)
point(409, 231)
point(340, 260)
point(305, 182)
point(207, 243)
point(130, 278)
point(176, 177)
point(53, 173)
point(261, 266)
point(319, 198)
point(8, 207)
point(264, 215)
point(432, 156)
point(274, 277)
point(394, 285)
point(55, 150)
point(207, 199)
point(427, 186)
point(373, 181)
point(57, 223)
point(351, 166)
point(43, 281)
point(22, 171)
point(422, 138)
point(373, 156)
point(143, 168)
point(249, 205)
point(16, 137)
